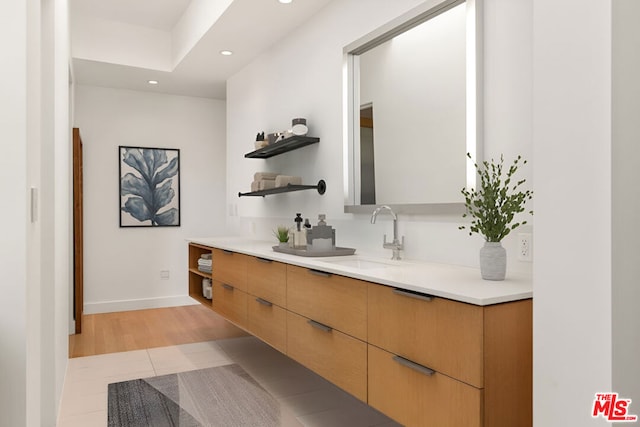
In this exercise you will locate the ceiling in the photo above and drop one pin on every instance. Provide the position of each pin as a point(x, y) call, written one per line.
point(246, 27)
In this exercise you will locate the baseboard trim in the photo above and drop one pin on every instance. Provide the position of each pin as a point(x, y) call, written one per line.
point(137, 304)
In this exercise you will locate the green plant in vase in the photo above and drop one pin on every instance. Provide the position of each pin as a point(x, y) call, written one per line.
point(492, 209)
point(282, 234)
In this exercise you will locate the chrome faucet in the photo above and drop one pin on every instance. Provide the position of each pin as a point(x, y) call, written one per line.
point(396, 245)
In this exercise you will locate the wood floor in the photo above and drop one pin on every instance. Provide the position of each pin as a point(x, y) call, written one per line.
point(159, 327)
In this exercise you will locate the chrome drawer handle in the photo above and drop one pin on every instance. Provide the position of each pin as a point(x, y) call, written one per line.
point(264, 260)
point(319, 273)
point(320, 326)
point(228, 252)
point(423, 297)
point(228, 287)
point(264, 302)
point(412, 365)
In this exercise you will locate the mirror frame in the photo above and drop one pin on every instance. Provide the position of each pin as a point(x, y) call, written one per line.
point(474, 107)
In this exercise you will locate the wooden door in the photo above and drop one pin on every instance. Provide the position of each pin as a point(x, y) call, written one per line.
point(78, 247)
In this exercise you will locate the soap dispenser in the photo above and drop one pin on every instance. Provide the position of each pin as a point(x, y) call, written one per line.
point(321, 237)
point(299, 234)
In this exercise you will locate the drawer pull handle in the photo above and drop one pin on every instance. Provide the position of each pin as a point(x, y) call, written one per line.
point(423, 297)
point(264, 260)
point(228, 252)
point(228, 287)
point(264, 302)
point(412, 365)
point(320, 326)
point(319, 273)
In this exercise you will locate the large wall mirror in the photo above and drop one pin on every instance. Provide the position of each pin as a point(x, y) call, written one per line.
point(413, 110)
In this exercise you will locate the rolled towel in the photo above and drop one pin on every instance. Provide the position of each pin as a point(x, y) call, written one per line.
point(284, 180)
point(259, 176)
point(266, 184)
point(255, 186)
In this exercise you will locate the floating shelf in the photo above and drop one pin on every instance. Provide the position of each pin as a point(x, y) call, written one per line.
point(321, 187)
point(291, 143)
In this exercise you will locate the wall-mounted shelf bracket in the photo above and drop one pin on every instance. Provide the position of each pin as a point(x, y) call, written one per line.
point(321, 187)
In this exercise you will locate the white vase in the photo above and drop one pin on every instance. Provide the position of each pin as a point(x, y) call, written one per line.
point(493, 261)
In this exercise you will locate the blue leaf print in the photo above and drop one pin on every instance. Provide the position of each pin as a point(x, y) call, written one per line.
point(163, 195)
point(167, 172)
point(152, 189)
point(169, 217)
point(137, 208)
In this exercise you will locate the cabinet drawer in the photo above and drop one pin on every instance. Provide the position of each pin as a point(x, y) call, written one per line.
point(333, 355)
point(333, 300)
point(230, 268)
point(230, 302)
point(445, 335)
point(268, 280)
point(268, 322)
point(414, 398)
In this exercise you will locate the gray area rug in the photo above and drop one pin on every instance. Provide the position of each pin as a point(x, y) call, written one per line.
point(223, 396)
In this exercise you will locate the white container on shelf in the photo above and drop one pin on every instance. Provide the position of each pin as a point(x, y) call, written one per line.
point(206, 288)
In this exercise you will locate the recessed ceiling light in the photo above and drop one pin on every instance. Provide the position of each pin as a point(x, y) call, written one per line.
point(152, 82)
point(226, 52)
point(285, 1)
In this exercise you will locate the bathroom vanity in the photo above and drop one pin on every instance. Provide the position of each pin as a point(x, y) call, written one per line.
point(426, 344)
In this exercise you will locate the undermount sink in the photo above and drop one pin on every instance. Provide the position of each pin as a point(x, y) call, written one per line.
point(363, 264)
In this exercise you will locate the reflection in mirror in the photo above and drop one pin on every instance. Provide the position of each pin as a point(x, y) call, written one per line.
point(367, 157)
point(412, 99)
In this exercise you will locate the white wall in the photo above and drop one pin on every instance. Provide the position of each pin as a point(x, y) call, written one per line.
point(626, 201)
point(572, 165)
point(34, 255)
point(13, 227)
point(302, 77)
point(122, 265)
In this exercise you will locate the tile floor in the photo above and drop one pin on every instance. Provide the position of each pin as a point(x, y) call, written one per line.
point(309, 399)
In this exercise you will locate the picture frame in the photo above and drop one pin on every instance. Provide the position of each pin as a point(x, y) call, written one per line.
point(149, 184)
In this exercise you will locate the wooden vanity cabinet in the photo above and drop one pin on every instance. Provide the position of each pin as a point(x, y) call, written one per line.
point(230, 302)
point(230, 285)
point(195, 275)
point(268, 322)
point(477, 354)
point(439, 333)
point(230, 268)
point(336, 301)
point(415, 397)
point(327, 326)
point(266, 304)
point(268, 280)
point(421, 360)
point(334, 355)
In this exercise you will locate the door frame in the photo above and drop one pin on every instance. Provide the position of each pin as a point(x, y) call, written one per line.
point(78, 237)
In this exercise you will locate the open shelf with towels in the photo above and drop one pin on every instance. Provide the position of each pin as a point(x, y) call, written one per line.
point(321, 187)
point(283, 146)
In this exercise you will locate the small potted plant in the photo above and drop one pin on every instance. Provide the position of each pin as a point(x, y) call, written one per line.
point(492, 208)
point(282, 234)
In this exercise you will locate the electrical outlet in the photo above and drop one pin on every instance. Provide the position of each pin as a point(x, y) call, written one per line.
point(164, 274)
point(525, 247)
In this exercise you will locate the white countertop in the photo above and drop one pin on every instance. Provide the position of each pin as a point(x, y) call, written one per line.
point(447, 281)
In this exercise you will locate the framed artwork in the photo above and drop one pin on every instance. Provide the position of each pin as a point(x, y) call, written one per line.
point(149, 187)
